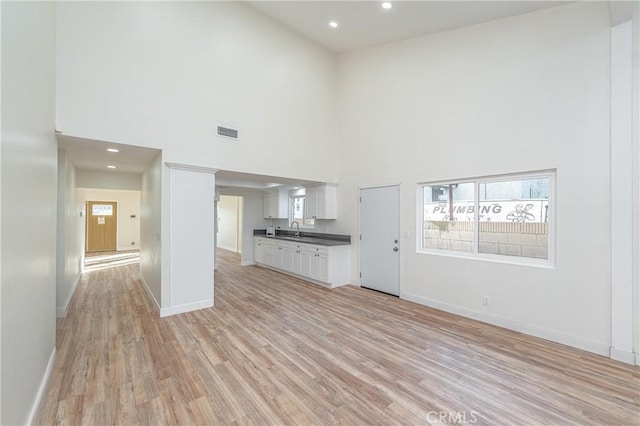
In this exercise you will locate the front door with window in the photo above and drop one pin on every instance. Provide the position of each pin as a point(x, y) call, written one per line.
point(102, 224)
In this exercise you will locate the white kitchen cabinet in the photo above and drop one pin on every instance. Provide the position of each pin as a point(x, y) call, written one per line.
point(263, 251)
point(302, 262)
point(258, 251)
point(277, 257)
point(276, 204)
point(287, 257)
point(323, 268)
point(268, 255)
point(321, 202)
point(296, 263)
point(327, 265)
point(319, 267)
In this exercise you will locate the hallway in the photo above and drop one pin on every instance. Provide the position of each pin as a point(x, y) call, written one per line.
point(277, 350)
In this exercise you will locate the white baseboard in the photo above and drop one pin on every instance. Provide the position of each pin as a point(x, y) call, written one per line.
point(145, 286)
point(186, 307)
point(231, 249)
point(622, 356)
point(530, 329)
point(343, 284)
point(62, 312)
point(247, 263)
point(42, 388)
point(637, 358)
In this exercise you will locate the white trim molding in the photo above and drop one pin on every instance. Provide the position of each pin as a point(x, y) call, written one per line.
point(247, 263)
point(61, 312)
point(42, 388)
point(191, 168)
point(148, 292)
point(622, 356)
point(187, 307)
point(530, 329)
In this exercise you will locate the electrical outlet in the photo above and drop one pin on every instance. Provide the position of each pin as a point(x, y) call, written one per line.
point(486, 300)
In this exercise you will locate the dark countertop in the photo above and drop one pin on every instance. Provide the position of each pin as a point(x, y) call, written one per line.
point(311, 240)
point(308, 238)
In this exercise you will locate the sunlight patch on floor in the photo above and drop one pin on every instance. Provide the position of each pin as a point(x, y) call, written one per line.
point(115, 259)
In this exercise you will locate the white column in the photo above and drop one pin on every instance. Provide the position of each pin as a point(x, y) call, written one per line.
point(636, 177)
point(192, 238)
point(622, 330)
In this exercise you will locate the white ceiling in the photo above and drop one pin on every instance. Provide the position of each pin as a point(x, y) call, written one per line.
point(365, 23)
point(87, 154)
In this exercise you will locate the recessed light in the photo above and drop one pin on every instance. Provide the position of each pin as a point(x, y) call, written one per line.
point(387, 5)
point(111, 167)
point(333, 24)
point(113, 150)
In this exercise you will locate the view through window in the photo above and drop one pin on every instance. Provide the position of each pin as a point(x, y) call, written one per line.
point(504, 216)
point(297, 209)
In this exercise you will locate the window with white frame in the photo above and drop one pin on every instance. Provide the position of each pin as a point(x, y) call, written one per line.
point(297, 210)
point(499, 217)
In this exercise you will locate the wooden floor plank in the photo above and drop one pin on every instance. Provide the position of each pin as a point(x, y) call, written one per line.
point(278, 350)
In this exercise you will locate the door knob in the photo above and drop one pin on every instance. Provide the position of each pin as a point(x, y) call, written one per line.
point(395, 249)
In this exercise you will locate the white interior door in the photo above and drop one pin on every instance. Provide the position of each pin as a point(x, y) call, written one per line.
point(380, 234)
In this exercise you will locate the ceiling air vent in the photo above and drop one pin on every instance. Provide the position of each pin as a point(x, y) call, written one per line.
point(227, 132)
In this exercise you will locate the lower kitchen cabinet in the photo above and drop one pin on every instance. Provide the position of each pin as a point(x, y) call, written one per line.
point(328, 265)
point(319, 267)
point(287, 258)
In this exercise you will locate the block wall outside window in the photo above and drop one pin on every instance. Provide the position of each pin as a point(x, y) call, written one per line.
point(493, 217)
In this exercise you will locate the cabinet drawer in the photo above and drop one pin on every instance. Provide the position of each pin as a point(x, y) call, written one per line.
point(315, 249)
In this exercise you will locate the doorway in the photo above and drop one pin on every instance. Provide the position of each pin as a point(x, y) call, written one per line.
point(230, 211)
point(380, 237)
point(102, 225)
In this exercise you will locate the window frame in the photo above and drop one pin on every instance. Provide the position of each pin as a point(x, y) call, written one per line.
point(549, 263)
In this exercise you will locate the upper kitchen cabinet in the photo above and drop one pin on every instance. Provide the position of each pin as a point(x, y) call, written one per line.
point(276, 204)
point(321, 201)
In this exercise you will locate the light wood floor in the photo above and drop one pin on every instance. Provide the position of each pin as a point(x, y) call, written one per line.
point(276, 350)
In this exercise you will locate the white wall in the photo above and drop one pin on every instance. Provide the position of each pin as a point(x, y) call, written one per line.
point(150, 229)
point(526, 93)
point(128, 228)
point(192, 246)
point(70, 235)
point(29, 192)
point(230, 223)
point(164, 74)
point(108, 180)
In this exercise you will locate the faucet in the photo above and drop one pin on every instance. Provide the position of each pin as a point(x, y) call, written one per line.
point(297, 227)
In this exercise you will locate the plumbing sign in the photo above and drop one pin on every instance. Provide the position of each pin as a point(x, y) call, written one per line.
point(517, 211)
